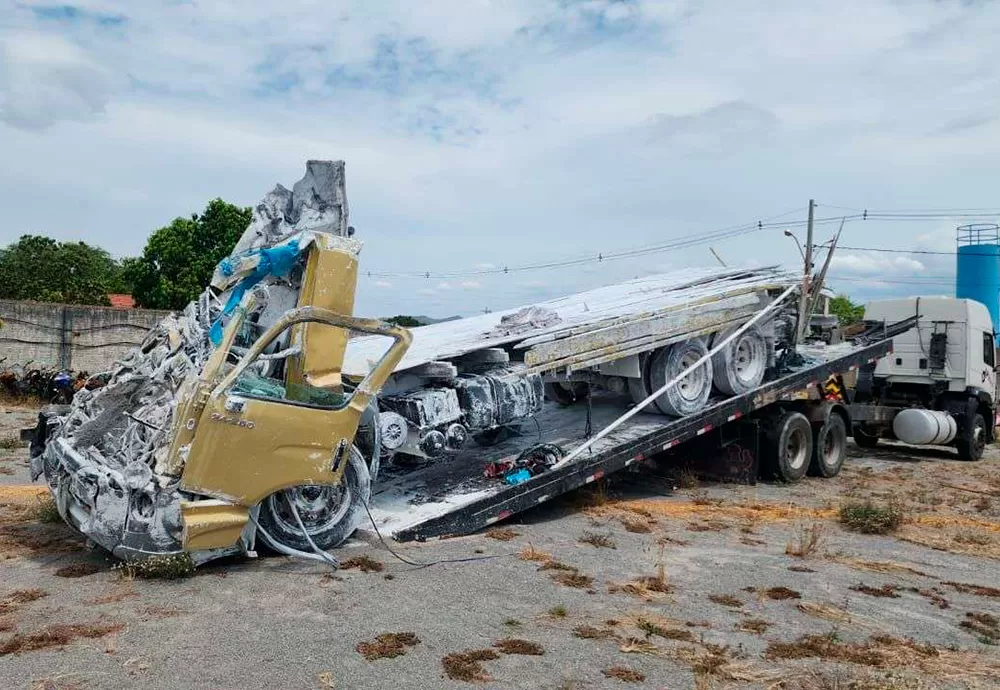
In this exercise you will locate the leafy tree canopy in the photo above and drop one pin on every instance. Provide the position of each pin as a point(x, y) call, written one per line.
point(43, 269)
point(846, 311)
point(404, 321)
point(178, 260)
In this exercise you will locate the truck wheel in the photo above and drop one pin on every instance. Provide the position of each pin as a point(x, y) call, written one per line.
point(788, 446)
point(692, 392)
point(863, 439)
point(829, 447)
point(565, 394)
point(972, 441)
point(329, 513)
point(740, 367)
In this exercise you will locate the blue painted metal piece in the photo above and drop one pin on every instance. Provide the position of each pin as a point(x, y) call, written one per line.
point(977, 274)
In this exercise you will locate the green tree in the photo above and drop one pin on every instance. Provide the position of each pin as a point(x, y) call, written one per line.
point(178, 260)
point(404, 321)
point(42, 269)
point(846, 311)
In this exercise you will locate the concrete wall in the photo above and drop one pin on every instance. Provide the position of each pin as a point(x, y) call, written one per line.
point(69, 336)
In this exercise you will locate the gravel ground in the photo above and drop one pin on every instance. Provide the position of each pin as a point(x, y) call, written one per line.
point(693, 590)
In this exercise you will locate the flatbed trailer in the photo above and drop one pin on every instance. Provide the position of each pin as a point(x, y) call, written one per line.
point(451, 496)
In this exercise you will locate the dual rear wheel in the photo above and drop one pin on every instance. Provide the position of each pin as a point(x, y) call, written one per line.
point(792, 447)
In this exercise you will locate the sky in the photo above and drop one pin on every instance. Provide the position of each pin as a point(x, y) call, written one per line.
point(481, 134)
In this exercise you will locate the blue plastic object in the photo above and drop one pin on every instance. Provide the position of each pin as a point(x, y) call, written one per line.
point(518, 477)
point(978, 271)
point(276, 261)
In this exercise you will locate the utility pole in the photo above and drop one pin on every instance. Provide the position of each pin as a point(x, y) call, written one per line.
point(804, 300)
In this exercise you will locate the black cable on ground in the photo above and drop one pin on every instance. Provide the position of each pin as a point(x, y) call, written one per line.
point(420, 565)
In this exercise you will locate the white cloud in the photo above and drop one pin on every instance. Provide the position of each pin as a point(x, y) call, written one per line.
point(470, 284)
point(45, 79)
point(519, 132)
point(383, 284)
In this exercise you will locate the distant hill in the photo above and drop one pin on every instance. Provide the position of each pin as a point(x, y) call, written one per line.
point(427, 320)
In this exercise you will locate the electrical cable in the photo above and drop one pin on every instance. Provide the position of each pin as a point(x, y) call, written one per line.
point(419, 565)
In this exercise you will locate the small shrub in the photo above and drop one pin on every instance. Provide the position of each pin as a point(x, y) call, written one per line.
point(530, 553)
point(512, 623)
point(502, 533)
point(45, 510)
point(806, 541)
point(753, 625)
point(869, 518)
point(172, 566)
point(558, 611)
point(601, 541)
point(726, 600)
point(11, 442)
point(589, 632)
point(573, 579)
point(885, 591)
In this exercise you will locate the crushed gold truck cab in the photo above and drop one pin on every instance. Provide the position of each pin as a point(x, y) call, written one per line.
point(264, 441)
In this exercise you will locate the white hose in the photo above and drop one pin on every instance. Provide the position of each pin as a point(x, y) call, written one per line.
point(674, 381)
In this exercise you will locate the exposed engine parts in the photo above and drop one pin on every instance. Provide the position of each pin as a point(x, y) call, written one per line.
point(442, 417)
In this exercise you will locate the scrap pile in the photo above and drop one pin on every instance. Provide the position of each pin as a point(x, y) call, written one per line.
point(118, 437)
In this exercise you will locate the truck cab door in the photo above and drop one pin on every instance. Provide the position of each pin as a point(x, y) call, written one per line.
point(252, 434)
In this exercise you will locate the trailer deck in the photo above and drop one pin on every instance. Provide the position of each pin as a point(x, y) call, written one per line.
point(451, 496)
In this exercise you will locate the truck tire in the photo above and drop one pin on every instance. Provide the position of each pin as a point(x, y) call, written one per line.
point(972, 440)
point(565, 394)
point(741, 365)
point(829, 447)
point(692, 392)
point(329, 513)
point(787, 446)
point(863, 439)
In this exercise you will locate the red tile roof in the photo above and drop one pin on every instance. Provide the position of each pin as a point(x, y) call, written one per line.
point(123, 301)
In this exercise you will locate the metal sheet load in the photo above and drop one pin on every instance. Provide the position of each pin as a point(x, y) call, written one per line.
point(921, 427)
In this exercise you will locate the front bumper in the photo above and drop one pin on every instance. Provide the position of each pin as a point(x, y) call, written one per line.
point(127, 512)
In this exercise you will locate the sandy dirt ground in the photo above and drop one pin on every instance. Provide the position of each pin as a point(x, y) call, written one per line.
point(711, 587)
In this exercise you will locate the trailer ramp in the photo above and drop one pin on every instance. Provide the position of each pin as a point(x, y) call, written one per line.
point(451, 496)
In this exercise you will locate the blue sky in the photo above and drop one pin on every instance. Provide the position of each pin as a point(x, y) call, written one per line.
point(482, 133)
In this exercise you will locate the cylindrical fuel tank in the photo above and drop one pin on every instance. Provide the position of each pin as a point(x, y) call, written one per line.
point(921, 427)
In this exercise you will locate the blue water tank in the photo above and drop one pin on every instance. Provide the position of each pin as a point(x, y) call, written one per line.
point(978, 273)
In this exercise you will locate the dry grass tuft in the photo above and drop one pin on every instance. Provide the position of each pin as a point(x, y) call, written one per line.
point(574, 579)
point(868, 518)
point(650, 629)
point(57, 636)
point(985, 625)
point(601, 541)
point(805, 541)
point(558, 611)
point(643, 587)
point(363, 563)
point(467, 666)
point(116, 595)
point(885, 567)
point(825, 647)
point(726, 600)
point(512, 645)
point(978, 590)
point(45, 510)
point(588, 632)
point(502, 533)
point(555, 565)
point(11, 442)
point(774, 593)
point(625, 675)
point(387, 646)
point(800, 569)
point(886, 591)
point(13, 601)
point(530, 553)
point(827, 612)
point(756, 626)
point(983, 504)
point(81, 569)
point(635, 525)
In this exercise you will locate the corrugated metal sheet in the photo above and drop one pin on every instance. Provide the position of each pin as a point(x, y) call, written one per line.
point(648, 308)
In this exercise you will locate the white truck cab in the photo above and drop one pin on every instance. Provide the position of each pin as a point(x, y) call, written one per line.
point(939, 385)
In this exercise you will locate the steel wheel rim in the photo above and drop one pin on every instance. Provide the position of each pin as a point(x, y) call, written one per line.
point(745, 360)
point(831, 447)
point(320, 507)
point(979, 438)
point(693, 385)
point(795, 449)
